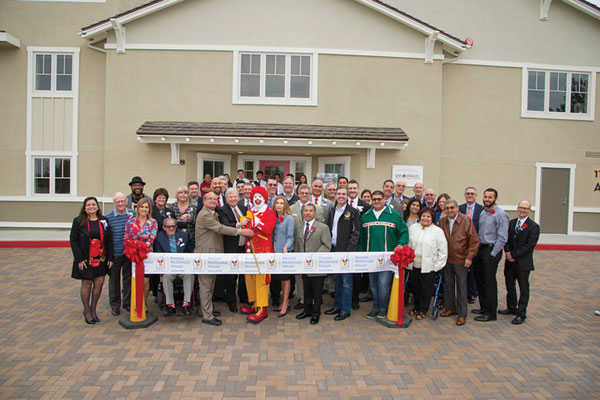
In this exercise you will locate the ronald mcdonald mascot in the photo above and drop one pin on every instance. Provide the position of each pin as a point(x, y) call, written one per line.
point(262, 222)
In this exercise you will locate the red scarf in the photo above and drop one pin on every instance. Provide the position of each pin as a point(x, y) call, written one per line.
point(96, 247)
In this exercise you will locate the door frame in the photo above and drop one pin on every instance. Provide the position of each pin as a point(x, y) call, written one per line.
point(226, 158)
point(538, 191)
point(257, 158)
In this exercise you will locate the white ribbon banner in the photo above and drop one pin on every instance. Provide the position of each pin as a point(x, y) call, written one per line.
point(270, 263)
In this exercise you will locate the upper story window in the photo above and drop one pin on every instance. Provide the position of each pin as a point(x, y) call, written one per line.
point(53, 72)
point(264, 78)
point(558, 94)
point(51, 175)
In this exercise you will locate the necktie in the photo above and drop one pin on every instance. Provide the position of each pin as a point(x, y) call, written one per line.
point(316, 200)
point(220, 204)
point(351, 203)
point(306, 230)
point(469, 212)
point(237, 215)
point(242, 239)
point(518, 226)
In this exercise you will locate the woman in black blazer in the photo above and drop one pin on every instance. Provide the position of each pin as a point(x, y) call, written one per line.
point(92, 246)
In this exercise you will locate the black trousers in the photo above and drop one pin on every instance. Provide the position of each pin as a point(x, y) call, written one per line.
point(423, 287)
point(275, 289)
point(242, 291)
point(121, 266)
point(486, 268)
point(471, 284)
point(313, 294)
point(512, 275)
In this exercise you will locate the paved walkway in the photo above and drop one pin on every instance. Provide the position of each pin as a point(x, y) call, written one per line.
point(47, 351)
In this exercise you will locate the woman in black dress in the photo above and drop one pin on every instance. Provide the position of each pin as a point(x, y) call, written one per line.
point(91, 243)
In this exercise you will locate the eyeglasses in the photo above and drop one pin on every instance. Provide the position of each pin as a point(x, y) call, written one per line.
point(523, 208)
point(376, 198)
point(170, 226)
point(470, 193)
point(449, 208)
point(430, 195)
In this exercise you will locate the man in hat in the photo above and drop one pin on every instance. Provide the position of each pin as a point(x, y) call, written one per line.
point(262, 222)
point(137, 192)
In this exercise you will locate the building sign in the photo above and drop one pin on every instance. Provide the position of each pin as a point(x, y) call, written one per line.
point(327, 177)
point(411, 174)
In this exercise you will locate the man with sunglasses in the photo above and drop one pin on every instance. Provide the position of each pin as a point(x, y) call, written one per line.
point(173, 241)
point(473, 210)
point(382, 229)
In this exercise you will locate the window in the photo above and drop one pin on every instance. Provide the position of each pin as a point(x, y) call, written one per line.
point(53, 72)
point(335, 165)
point(274, 79)
point(51, 175)
point(558, 94)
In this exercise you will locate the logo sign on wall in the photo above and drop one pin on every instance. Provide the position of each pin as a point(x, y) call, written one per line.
point(411, 174)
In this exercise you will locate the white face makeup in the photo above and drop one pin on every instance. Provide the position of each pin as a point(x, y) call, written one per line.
point(258, 200)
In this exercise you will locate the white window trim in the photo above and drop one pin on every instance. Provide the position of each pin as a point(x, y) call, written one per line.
point(538, 191)
point(525, 113)
point(52, 155)
point(335, 160)
point(257, 158)
point(276, 101)
point(31, 94)
point(212, 157)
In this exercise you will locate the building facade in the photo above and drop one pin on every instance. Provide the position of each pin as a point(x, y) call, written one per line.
point(490, 95)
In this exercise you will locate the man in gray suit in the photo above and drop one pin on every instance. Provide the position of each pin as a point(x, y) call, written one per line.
point(311, 237)
point(209, 239)
point(388, 191)
point(296, 210)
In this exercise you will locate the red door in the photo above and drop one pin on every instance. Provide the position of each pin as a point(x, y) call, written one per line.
point(270, 168)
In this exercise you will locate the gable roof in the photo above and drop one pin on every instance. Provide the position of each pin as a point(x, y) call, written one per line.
point(377, 5)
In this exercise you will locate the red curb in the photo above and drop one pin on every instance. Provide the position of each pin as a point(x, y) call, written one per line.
point(568, 247)
point(29, 244)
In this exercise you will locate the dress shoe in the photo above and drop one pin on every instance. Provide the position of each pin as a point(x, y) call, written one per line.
point(341, 316)
point(461, 321)
point(356, 306)
point(507, 311)
point(88, 321)
point(518, 320)
point(299, 306)
point(171, 310)
point(187, 310)
point(260, 314)
point(372, 314)
point(115, 311)
point(216, 313)
point(233, 308)
point(302, 315)
point(448, 313)
point(366, 298)
point(478, 311)
point(485, 318)
point(283, 312)
point(332, 311)
point(96, 319)
point(314, 320)
point(213, 322)
point(471, 300)
point(247, 310)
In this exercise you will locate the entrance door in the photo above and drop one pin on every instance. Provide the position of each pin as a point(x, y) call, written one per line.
point(270, 168)
point(554, 207)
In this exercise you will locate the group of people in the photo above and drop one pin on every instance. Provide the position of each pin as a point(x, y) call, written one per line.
point(269, 215)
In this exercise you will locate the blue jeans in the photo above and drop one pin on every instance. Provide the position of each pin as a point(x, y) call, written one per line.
point(381, 285)
point(343, 292)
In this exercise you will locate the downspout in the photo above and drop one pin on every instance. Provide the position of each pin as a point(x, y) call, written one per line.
point(91, 42)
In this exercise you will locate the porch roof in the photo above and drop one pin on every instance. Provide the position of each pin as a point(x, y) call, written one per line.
point(278, 132)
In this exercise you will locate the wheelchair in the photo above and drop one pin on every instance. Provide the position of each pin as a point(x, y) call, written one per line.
point(178, 296)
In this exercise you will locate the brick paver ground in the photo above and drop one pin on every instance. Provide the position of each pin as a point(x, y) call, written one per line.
point(47, 351)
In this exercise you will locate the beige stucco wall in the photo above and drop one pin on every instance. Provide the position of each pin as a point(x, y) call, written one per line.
point(355, 91)
point(511, 30)
point(327, 24)
point(487, 143)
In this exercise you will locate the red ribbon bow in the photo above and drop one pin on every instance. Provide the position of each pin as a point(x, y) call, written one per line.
point(137, 252)
point(401, 257)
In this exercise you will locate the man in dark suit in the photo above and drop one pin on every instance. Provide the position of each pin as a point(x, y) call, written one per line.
point(523, 235)
point(344, 225)
point(473, 210)
point(230, 215)
point(288, 191)
point(218, 186)
point(209, 239)
point(172, 241)
point(312, 236)
point(360, 282)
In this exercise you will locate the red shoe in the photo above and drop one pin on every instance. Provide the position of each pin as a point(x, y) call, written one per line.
point(259, 316)
point(247, 310)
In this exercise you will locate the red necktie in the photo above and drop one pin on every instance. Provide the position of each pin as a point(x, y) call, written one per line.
point(351, 203)
point(316, 200)
point(469, 212)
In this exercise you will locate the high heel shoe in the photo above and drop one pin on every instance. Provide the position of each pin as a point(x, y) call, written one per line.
point(87, 321)
point(285, 313)
point(96, 319)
